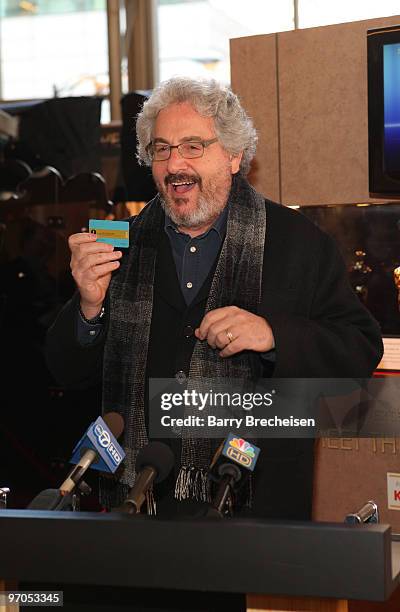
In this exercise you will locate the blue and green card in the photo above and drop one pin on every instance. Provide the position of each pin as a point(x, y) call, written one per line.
point(111, 232)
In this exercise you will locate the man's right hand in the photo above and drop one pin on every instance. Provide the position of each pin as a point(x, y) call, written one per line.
point(92, 264)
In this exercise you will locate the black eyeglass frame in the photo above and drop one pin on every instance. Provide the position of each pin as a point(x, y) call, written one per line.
point(203, 143)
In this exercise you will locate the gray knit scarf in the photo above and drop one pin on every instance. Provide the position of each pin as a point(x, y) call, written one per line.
point(237, 281)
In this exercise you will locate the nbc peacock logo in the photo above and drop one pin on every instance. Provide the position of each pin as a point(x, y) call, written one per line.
point(241, 451)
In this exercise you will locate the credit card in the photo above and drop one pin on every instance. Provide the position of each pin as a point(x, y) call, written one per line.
point(111, 232)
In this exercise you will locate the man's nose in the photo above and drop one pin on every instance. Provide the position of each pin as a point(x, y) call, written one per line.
point(176, 162)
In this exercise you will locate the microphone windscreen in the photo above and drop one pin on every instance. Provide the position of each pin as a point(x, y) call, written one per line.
point(115, 423)
point(50, 499)
point(158, 456)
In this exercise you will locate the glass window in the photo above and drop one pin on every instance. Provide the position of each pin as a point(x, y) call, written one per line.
point(319, 12)
point(52, 48)
point(193, 35)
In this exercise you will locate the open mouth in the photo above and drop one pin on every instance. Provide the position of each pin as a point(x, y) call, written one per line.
point(182, 185)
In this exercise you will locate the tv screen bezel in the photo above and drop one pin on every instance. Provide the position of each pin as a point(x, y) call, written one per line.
point(381, 185)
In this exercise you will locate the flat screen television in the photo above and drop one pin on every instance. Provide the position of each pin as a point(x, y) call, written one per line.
point(384, 112)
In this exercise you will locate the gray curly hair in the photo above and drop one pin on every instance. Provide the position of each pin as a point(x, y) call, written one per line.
point(233, 126)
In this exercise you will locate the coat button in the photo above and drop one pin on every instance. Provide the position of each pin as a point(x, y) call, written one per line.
point(188, 331)
point(180, 377)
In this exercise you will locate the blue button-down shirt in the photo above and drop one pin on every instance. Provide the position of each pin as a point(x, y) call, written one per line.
point(194, 257)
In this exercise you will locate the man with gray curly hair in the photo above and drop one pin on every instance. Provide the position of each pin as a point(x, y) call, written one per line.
point(232, 125)
point(220, 114)
point(218, 283)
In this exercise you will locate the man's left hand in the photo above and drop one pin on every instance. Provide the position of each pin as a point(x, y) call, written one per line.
point(233, 330)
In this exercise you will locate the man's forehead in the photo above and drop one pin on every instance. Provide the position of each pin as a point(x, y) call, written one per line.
point(184, 121)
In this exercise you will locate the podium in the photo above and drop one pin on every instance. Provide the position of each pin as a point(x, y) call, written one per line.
point(265, 559)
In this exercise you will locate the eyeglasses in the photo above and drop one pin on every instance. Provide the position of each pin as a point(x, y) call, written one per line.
point(161, 151)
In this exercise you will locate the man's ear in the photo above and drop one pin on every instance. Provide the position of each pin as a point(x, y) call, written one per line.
point(235, 162)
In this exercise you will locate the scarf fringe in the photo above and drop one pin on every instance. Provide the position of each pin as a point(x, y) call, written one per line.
point(192, 483)
point(151, 503)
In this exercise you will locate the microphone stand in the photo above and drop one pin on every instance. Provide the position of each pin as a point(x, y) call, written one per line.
point(222, 503)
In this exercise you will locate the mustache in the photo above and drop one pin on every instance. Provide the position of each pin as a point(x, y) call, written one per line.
point(182, 176)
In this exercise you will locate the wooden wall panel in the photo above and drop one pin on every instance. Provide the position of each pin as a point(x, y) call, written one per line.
point(321, 114)
point(324, 113)
point(254, 79)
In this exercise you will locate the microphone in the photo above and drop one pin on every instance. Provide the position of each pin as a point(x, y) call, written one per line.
point(153, 464)
point(51, 499)
point(98, 448)
point(367, 514)
point(233, 461)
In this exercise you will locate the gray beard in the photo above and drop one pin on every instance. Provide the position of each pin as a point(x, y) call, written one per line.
point(210, 204)
point(206, 211)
